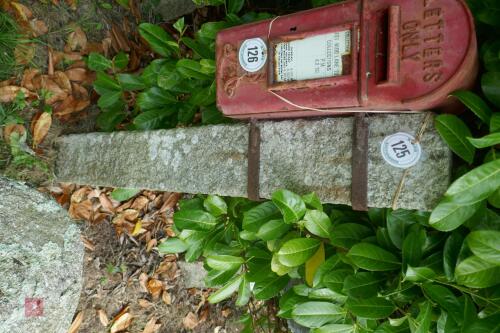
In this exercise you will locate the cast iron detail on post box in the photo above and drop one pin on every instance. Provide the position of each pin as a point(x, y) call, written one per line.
point(372, 55)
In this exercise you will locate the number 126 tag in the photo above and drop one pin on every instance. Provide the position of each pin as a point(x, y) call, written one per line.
point(400, 150)
point(253, 54)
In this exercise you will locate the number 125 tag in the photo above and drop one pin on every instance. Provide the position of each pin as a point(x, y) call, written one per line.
point(400, 150)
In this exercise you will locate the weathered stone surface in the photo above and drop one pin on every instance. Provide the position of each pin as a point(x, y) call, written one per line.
point(192, 274)
point(300, 155)
point(41, 257)
point(171, 9)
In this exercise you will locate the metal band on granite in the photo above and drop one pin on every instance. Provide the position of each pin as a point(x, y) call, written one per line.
point(253, 190)
point(359, 187)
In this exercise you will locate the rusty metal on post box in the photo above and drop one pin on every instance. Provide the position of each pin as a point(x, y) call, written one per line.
point(359, 55)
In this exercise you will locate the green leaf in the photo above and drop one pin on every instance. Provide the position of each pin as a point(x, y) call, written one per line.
point(490, 324)
point(362, 285)
point(317, 314)
point(224, 262)
point(208, 66)
point(196, 243)
point(335, 328)
point(194, 220)
point(454, 131)
point(317, 223)
point(335, 279)
point(107, 121)
point(419, 274)
point(373, 258)
point(273, 229)
point(244, 292)
point(370, 308)
point(451, 250)
point(277, 267)
point(476, 273)
point(476, 185)
point(398, 223)
point(226, 291)
point(169, 77)
point(270, 286)
point(154, 98)
point(130, 82)
point(312, 201)
point(209, 30)
point(446, 300)
point(150, 73)
point(291, 205)
point(490, 82)
point(105, 84)
point(449, 215)
point(216, 278)
point(423, 321)
point(157, 38)
point(172, 245)
point(486, 245)
point(215, 205)
point(179, 25)
point(98, 62)
point(494, 199)
point(202, 50)
point(347, 234)
point(329, 264)
point(413, 246)
point(192, 69)
point(295, 252)
point(495, 122)
point(120, 61)
point(486, 141)
point(110, 100)
point(475, 104)
point(123, 194)
point(257, 216)
point(152, 119)
point(234, 6)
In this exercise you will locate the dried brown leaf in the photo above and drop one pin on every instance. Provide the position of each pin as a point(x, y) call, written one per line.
point(151, 326)
point(77, 39)
point(155, 287)
point(106, 203)
point(77, 74)
point(38, 27)
point(190, 321)
point(9, 93)
point(143, 303)
point(143, 282)
point(27, 80)
point(87, 243)
point(75, 325)
point(41, 128)
point(21, 11)
point(121, 323)
point(11, 128)
point(118, 36)
point(62, 81)
point(166, 297)
point(103, 317)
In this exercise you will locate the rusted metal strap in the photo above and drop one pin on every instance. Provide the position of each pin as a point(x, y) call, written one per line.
point(253, 190)
point(359, 187)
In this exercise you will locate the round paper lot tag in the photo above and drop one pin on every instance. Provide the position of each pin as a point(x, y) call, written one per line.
point(253, 54)
point(399, 150)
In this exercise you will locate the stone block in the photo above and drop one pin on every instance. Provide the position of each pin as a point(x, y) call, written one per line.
point(300, 155)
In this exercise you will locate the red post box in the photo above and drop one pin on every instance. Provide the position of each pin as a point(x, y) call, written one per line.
point(373, 55)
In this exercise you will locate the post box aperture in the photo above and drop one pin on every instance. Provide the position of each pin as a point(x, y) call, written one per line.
point(374, 55)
